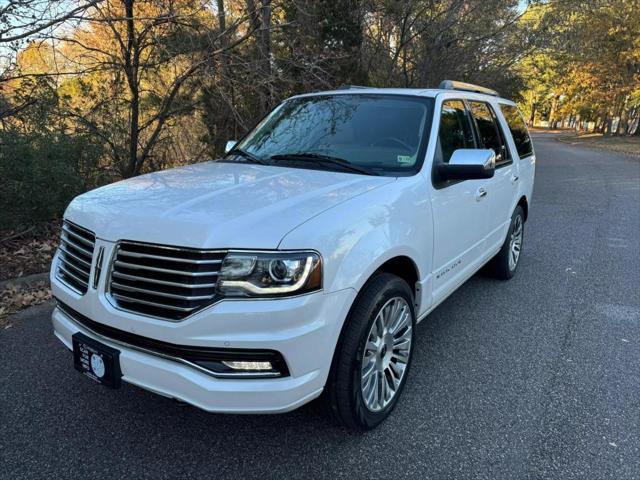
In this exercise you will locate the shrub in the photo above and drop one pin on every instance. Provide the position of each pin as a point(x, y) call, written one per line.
point(40, 174)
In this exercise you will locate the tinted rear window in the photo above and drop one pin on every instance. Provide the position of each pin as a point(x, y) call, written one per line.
point(489, 131)
point(518, 130)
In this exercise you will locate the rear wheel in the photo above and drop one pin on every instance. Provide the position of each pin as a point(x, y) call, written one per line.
point(372, 359)
point(505, 263)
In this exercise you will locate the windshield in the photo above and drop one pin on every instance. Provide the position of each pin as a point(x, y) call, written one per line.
point(381, 133)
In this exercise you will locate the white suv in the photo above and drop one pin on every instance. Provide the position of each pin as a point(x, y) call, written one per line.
point(300, 263)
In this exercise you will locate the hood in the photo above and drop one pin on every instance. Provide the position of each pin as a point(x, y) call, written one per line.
point(215, 204)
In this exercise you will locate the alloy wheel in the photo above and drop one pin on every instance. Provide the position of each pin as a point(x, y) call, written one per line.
point(386, 354)
point(515, 243)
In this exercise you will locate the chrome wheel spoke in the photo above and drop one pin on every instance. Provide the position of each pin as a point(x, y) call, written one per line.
point(370, 348)
point(402, 356)
point(379, 324)
point(396, 371)
point(384, 387)
point(392, 314)
point(402, 320)
point(368, 371)
point(403, 338)
point(402, 343)
point(371, 395)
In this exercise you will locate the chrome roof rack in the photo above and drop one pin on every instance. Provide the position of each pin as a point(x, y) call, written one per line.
point(467, 87)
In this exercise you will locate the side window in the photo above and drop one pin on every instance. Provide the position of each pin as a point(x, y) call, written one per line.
point(489, 131)
point(518, 130)
point(455, 129)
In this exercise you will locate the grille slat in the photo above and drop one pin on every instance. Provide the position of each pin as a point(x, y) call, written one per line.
point(65, 241)
point(74, 276)
point(136, 266)
point(76, 253)
point(162, 282)
point(76, 270)
point(76, 237)
point(129, 288)
point(165, 282)
point(171, 259)
point(153, 304)
point(67, 253)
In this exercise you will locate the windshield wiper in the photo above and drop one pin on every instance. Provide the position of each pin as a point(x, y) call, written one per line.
point(318, 157)
point(249, 156)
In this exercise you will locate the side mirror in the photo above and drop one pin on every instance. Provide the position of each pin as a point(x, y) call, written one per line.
point(229, 145)
point(468, 164)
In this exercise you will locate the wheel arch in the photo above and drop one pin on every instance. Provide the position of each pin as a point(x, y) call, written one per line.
point(524, 204)
point(404, 267)
point(399, 263)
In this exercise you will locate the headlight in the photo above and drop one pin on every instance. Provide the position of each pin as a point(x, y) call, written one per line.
point(263, 274)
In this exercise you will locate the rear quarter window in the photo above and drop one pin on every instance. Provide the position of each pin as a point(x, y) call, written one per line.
point(518, 130)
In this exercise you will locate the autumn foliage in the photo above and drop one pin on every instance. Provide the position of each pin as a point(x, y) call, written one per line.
point(95, 91)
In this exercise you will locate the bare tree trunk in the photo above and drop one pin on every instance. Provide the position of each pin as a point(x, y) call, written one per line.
point(226, 74)
point(622, 126)
point(254, 18)
point(261, 25)
point(132, 62)
point(265, 54)
point(405, 71)
point(553, 113)
point(222, 25)
point(606, 123)
point(532, 117)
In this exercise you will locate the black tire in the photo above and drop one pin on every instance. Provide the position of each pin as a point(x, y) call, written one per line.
point(500, 265)
point(343, 394)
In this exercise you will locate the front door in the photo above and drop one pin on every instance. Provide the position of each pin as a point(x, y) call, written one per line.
point(460, 209)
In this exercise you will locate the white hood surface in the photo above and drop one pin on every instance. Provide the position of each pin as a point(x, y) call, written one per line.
point(215, 204)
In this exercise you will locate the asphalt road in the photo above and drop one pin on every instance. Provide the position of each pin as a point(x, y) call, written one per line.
point(538, 377)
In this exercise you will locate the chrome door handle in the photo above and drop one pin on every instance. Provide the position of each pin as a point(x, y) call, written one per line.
point(514, 178)
point(481, 193)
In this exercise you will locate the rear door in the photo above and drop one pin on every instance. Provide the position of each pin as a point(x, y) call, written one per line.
point(460, 211)
point(502, 189)
point(521, 148)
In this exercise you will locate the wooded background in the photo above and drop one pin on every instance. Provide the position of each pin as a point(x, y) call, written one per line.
point(95, 91)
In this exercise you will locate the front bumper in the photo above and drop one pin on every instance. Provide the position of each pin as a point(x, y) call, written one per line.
point(304, 330)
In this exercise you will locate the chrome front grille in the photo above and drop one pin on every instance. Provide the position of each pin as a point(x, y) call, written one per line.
point(76, 252)
point(165, 282)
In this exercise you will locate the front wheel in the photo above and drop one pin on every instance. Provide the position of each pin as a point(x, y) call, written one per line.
point(505, 263)
point(373, 356)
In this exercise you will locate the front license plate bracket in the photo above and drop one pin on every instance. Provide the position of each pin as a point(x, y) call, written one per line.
point(99, 362)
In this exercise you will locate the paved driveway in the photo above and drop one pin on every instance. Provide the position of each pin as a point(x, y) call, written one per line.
point(538, 377)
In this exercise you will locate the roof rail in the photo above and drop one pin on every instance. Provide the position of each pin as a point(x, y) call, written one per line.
point(353, 87)
point(468, 87)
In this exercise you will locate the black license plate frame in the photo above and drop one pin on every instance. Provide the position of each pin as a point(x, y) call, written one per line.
point(94, 359)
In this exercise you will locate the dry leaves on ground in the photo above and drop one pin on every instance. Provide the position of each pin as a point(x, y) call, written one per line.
point(629, 144)
point(24, 251)
point(14, 298)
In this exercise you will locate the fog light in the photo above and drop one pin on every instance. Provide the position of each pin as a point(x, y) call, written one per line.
point(251, 366)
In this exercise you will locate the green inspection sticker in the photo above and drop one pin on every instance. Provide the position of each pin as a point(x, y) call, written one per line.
point(404, 159)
